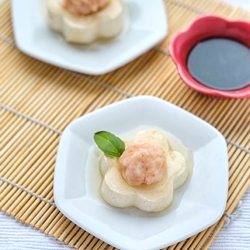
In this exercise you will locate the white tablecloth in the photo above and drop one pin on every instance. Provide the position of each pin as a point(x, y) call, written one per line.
point(235, 236)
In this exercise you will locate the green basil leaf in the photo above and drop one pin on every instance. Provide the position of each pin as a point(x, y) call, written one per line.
point(110, 144)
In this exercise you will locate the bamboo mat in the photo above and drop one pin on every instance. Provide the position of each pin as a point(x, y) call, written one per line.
point(39, 100)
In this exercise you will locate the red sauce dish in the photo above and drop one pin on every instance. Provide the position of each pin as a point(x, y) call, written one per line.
point(202, 28)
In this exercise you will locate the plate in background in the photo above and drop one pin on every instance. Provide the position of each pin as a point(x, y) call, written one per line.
point(146, 25)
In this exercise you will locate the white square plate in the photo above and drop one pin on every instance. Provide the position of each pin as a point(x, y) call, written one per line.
point(146, 25)
point(77, 178)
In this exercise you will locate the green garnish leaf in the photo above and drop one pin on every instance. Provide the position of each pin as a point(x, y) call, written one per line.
point(110, 144)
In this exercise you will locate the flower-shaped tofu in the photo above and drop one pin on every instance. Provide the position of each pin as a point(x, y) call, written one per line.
point(148, 196)
point(105, 23)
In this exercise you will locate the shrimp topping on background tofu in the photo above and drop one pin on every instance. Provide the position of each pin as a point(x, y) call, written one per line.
point(84, 7)
point(143, 164)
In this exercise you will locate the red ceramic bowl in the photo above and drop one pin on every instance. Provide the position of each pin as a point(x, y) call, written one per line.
point(203, 28)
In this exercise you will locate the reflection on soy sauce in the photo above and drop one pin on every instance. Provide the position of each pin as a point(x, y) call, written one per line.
point(220, 63)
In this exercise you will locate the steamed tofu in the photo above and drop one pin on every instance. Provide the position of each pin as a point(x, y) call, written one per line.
point(103, 24)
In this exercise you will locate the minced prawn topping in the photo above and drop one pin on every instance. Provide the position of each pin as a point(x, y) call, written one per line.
point(84, 7)
point(143, 164)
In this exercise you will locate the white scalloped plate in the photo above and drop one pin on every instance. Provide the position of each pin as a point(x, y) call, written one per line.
point(145, 23)
point(77, 180)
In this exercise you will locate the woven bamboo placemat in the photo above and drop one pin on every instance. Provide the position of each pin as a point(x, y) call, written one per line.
point(39, 100)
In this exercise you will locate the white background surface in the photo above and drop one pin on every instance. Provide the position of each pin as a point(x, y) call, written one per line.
point(236, 236)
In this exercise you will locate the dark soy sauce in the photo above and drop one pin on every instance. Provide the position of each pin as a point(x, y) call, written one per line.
point(220, 63)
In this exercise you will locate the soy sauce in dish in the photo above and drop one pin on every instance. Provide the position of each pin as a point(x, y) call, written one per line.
point(220, 63)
